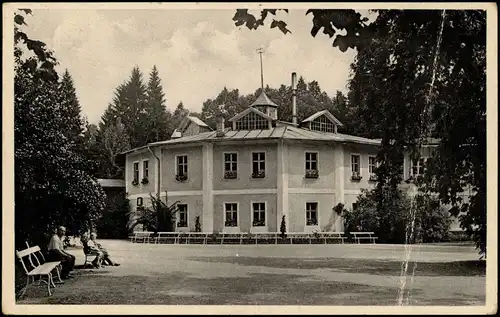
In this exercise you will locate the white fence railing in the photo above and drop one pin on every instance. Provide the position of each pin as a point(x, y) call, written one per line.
point(237, 238)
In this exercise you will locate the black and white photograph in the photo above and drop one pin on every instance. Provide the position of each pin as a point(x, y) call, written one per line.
point(246, 158)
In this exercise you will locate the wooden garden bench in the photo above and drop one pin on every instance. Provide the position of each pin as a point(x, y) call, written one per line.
point(41, 268)
point(358, 236)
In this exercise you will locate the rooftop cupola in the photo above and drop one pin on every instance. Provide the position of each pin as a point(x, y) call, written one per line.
point(266, 105)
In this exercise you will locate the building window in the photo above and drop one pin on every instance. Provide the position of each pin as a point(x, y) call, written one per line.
point(258, 165)
point(182, 167)
point(231, 211)
point(354, 206)
point(252, 121)
point(259, 214)
point(136, 172)
point(312, 165)
point(139, 201)
point(183, 216)
point(372, 165)
point(230, 165)
point(417, 168)
point(323, 124)
point(145, 172)
point(311, 214)
point(355, 168)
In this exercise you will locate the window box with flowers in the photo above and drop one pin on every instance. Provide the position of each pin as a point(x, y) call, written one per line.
point(260, 174)
point(135, 182)
point(259, 223)
point(231, 223)
point(373, 178)
point(145, 181)
point(356, 177)
point(230, 175)
point(181, 178)
point(312, 173)
point(312, 222)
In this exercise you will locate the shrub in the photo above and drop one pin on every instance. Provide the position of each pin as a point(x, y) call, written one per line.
point(113, 222)
point(197, 225)
point(390, 222)
point(283, 227)
point(160, 217)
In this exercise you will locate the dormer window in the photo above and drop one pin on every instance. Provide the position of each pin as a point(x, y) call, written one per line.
point(322, 121)
point(323, 124)
point(252, 121)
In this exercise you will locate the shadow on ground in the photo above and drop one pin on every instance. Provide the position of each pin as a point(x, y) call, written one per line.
point(180, 289)
point(366, 266)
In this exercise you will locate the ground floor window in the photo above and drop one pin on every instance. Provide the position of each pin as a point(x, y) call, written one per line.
point(311, 214)
point(183, 215)
point(231, 213)
point(259, 214)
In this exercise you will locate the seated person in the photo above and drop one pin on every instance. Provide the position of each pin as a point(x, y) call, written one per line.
point(106, 259)
point(56, 253)
point(90, 248)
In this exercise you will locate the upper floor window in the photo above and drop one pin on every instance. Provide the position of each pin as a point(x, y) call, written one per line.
point(145, 169)
point(231, 211)
point(259, 214)
point(258, 164)
point(372, 165)
point(136, 171)
point(355, 167)
point(182, 167)
point(252, 121)
point(183, 215)
point(311, 214)
point(230, 165)
point(323, 124)
point(311, 165)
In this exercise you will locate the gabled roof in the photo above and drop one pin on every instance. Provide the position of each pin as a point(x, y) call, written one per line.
point(327, 113)
point(263, 100)
point(185, 122)
point(248, 110)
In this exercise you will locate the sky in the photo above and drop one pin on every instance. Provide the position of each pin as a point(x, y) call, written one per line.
point(197, 52)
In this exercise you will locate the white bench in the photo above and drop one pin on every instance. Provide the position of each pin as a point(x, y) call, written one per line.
point(41, 268)
point(142, 236)
point(332, 236)
point(358, 236)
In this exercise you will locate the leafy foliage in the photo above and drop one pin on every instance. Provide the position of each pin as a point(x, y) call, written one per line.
point(392, 223)
point(310, 99)
point(419, 74)
point(113, 222)
point(53, 184)
point(160, 217)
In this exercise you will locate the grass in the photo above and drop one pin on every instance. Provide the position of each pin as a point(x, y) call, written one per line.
point(269, 275)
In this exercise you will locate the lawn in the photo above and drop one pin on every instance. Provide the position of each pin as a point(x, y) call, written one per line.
point(273, 275)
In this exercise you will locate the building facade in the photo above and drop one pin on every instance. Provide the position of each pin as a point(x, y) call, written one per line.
point(252, 171)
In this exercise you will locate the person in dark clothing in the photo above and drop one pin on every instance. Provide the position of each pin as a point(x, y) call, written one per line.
point(56, 253)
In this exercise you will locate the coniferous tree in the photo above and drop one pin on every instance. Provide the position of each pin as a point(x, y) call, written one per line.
point(158, 118)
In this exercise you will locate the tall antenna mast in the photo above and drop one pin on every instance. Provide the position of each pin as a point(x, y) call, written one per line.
point(260, 50)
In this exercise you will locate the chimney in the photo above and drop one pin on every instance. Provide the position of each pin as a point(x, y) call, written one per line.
point(294, 98)
point(220, 126)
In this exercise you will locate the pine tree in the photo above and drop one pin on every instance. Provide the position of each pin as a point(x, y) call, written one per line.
point(179, 114)
point(70, 109)
point(157, 115)
point(129, 104)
